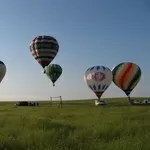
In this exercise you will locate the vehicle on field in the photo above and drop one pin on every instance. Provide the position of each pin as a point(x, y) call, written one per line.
point(100, 102)
point(140, 102)
point(25, 103)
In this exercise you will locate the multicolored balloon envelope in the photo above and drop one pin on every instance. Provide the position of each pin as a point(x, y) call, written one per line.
point(44, 49)
point(98, 78)
point(2, 70)
point(126, 76)
point(53, 71)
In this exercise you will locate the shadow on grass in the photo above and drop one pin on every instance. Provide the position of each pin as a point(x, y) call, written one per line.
point(118, 104)
point(128, 105)
point(125, 104)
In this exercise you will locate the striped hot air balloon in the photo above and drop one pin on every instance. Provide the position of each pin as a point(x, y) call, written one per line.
point(126, 76)
point(2, 70)
point(44, 49)
point(53, 71)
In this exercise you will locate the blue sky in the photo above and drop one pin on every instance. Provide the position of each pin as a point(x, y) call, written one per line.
point(94, 32)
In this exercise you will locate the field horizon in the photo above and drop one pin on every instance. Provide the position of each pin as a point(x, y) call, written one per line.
point(79, 100)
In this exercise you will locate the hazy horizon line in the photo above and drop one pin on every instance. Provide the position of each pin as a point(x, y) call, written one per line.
point(69, 100)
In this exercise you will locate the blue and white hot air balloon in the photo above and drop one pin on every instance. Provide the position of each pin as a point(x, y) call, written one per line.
point(98, 78)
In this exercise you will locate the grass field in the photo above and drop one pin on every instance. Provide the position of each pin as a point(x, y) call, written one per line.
point(79, 125)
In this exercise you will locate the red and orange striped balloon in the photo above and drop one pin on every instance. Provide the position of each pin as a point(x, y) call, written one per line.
point(126, 76)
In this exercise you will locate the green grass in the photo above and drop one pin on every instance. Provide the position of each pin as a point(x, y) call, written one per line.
point(79, 125)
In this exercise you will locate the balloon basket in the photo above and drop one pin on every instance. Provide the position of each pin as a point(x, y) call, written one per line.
point(100, 102)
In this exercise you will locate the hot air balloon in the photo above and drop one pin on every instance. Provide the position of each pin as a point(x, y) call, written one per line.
point(2, 70)
point(44, 49)
point(53, 71)
point(98, 78)
point(126, 76)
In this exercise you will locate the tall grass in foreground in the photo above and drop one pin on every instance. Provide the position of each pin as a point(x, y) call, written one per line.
point(76, 126)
